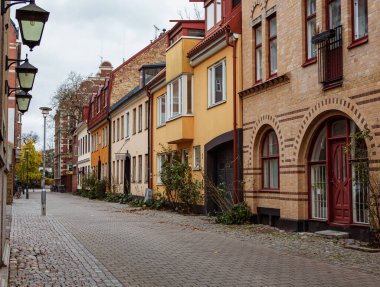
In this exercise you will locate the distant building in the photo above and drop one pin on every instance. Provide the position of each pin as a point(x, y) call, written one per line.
point(65, 126)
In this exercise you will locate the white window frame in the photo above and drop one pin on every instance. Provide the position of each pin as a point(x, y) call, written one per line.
point(182, 94)
point(211, 84)
point(160, 162)
point(127, 129)
point(197, 166)
point(159, 110)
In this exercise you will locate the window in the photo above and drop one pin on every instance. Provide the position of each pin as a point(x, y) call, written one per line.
point(113, 131)
point(270, 161)
point(272, 45)
point(105, 97)
point(134, 169)
point(235, 3)
point(180, 96)
point(161, 114)
point(217, 83)
point(127, 125)
point(140, 118)
point(160, 163)
point(147, 115)
point(174, 91)
point(213, 13)
point(98, 101)
point(122, 127)
point(117, 172)
point(113, 171)
point(360, 19)
point(258, 52)
point(134, 121)
point(185, 156)
point(118, 129)
point(140, 168)
point(146, 168)
point(197, 158)
point(311, 24)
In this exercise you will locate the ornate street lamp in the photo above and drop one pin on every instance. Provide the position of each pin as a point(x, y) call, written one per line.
point(23, 101)
point(32, 21)
point(26, 73)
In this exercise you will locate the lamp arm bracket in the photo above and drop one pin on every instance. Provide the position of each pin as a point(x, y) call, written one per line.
point(5, 7)
point(8, 89)
point(9, 62)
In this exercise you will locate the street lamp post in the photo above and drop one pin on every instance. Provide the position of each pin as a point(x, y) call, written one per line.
point(45, 113)
point(27, 172)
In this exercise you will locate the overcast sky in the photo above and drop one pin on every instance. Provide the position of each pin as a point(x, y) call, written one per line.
point(81, 33)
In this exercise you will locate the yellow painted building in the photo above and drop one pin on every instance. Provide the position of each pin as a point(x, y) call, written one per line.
point(196, 108)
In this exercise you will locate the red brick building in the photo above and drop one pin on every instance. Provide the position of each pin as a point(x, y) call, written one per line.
point(65, 126)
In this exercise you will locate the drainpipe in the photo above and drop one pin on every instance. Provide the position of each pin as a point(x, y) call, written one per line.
point(109, 152)
point(150, 139)
point(231, 41)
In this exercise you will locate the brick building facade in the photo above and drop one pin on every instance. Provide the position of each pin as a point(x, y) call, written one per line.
point(310, 80)
point(65, 126)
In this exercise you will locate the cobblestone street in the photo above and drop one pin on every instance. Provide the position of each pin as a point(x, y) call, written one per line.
point(93, 243)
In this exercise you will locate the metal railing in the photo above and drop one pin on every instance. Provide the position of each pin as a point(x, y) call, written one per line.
point(330, 55)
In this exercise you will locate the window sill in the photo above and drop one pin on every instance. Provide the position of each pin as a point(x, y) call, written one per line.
point(358, 42)
point(178, 117)
point(309, 62)
point(197, 169)
point(270, 190)
point(271, 77)
point(160, 126)
point(332, 85)
point(217, 104)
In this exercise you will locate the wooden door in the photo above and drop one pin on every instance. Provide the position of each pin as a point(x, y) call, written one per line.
point(340, 182)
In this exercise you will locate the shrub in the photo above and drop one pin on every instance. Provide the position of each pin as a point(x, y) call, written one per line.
point(93, 188)
point(238, 214)
point(181, 190)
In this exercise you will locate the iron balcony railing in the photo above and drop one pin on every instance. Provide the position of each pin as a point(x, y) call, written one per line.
point(330, 55)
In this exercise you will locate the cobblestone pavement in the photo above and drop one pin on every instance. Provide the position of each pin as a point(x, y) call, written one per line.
point(90, 243)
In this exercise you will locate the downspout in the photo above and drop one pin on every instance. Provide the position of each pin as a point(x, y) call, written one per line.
point(109, 131)
point(109, 152)
point(235, 167)
point(150, 140)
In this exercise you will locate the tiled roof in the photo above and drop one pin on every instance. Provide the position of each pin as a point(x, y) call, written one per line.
point(207, 40)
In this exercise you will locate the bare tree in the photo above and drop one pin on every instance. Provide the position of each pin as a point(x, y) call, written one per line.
point(186, 14)
point(30, 136)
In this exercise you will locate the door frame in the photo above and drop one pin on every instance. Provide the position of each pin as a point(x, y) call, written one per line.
point(127, 170)
point(329, 138)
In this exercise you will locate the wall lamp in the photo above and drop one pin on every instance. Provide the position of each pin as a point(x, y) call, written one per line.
point(26, 73)
point(22, 98)
point(31, 18)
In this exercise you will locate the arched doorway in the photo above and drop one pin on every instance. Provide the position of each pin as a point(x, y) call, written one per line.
point(336, 193)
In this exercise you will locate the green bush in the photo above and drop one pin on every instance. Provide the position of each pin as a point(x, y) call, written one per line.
point(238, 214)
point(93, 188)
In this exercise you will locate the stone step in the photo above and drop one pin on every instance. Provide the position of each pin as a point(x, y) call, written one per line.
point(333, 234)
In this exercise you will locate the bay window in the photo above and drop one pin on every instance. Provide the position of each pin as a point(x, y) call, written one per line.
point(213, 13)
point(311, 22)
point(179, 97)
point(360, 19)
point(217, 83)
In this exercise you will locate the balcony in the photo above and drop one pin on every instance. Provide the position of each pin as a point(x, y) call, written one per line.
point(330, 57)
point(180, 129)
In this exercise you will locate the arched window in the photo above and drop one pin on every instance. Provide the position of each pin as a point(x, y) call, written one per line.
point(270, 161)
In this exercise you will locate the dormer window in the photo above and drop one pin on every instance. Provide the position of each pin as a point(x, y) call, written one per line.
point(213, 13)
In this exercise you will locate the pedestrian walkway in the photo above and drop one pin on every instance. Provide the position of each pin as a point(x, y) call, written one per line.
point(92, 243)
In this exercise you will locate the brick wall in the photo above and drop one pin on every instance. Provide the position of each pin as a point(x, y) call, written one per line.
point(295, 104)
point(126, 77)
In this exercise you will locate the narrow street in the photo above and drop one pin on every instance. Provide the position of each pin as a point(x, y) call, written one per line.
point(93, 243)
